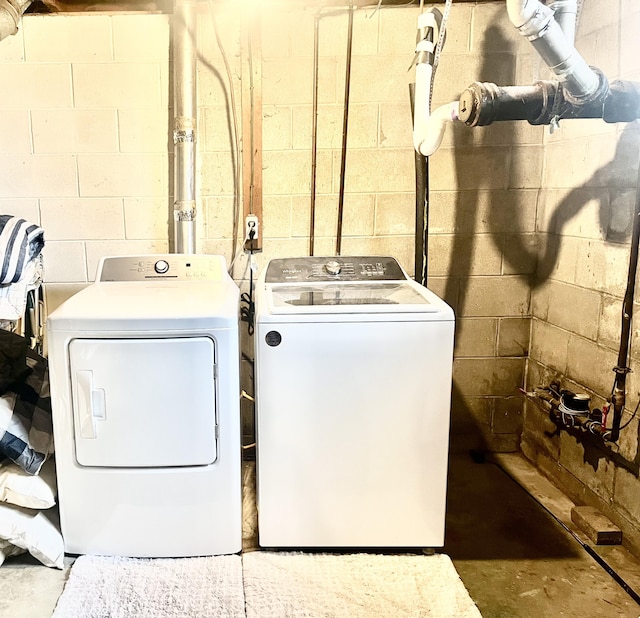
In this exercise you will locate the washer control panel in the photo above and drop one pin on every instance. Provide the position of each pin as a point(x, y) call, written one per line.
point(310, 269)
point(177, 267)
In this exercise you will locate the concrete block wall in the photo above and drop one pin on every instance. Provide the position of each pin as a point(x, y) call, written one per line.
point(589, 188)
point(85, 125)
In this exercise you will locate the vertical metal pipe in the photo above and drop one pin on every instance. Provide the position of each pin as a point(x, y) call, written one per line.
point(622, 369)
point(345, 124)
point(314, 135)
point(184, 127)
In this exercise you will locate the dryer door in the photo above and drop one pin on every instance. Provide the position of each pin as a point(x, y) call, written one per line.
point(144, 402)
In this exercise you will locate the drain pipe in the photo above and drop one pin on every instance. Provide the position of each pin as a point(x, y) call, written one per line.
point(10, 13)
point(565, 12)
point(428, 128)
point(184, 127)
point(536, 22)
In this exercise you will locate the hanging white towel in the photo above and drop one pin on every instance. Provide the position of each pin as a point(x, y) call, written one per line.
point(21, 269)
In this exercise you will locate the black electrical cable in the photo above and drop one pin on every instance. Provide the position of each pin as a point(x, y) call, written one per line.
point(247, 314)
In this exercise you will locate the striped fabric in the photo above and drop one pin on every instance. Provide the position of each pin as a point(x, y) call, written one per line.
point(20, 242)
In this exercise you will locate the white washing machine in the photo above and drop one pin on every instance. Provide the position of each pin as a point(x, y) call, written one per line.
point(144, 370)
point(353, 388)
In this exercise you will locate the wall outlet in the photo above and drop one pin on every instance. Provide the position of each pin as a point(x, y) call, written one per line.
point(251, 224)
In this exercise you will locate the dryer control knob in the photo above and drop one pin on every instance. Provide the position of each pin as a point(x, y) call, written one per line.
point(333, 267)
point(161, 267)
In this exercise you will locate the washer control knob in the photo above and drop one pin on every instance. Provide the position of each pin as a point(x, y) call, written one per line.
point(161, 267)
point(333, 267)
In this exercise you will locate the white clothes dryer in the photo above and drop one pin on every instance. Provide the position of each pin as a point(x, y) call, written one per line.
point(353, 388)
point(144, 370)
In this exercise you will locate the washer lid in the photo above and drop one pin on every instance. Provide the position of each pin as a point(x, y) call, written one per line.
point(373, 297)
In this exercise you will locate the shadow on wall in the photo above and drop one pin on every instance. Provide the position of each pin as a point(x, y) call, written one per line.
point(466, 416)
point(612, 186)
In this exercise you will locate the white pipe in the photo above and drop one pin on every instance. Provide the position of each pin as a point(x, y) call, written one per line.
point(565, 12)
point(184, 128)
point(10, 13)
point(535, 21)
point(428, 128)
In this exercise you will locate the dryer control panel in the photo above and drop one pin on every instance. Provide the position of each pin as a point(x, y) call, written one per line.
point(174, 266)
point(339, 268)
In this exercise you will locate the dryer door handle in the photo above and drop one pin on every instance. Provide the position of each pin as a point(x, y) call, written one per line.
point(90, 404)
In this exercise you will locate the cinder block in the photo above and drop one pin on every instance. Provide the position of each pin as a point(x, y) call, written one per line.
point(362, 126)
point(82, 218)
point(129, 46)
point(469, 168)
point(333, 35)
point(496, 296)
point(628, 42)
point(68, 38)
point(74, 130)
point(596, 15)
point(475, 337)
point(567, 164)
point(276, 128)
point(519, 253)
point(476, 211)
point(35, 86)
point(559, 257)
point(590, 364)
point(286, 172)
point(603, 266)
point(596, 526)
point(24, 208)
point(217, 172)
point(15, 132)
point(276, 214)
point(65, 262)
point(626, 494)
point(363, 169)
point(398, 27)
point(463, 255)
point(392, 79)
point(122, 175)
point(12, 48)
point(470, 415)
point(144, 130)
point(38, 175)
point(513, 336)
point(507, 415)
point(148, 218)
point(395, 214)
point(121, 84)
point(493, 31)
point(496, 377)
point(575, 309)
point(525, 171)
point(549, 345)
point(289, 81)
point(396, 130)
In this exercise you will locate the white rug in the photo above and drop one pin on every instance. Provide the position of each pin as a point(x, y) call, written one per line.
point(300, 585)
point(266, 585)
point(112, 587)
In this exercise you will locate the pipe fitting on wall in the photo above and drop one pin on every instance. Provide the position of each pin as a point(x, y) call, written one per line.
point(546, 102)
point(10, 13)
point(536, 22)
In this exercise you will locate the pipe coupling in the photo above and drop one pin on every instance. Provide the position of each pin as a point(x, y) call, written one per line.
point(181, 136)
point(537, 24)
point(184, 214)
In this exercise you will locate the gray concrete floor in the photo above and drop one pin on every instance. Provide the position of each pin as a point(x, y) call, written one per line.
point(511, 553)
